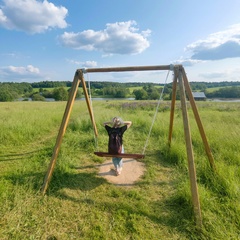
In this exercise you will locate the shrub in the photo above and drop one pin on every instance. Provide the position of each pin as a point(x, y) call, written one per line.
point(60, 94)
point(7, 94)
point(38, 97)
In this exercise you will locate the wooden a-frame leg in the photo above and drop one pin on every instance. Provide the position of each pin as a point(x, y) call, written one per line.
point(191, 165)
point(88, 104)
point(198, 121)
point(174, 93)
point(61, 132)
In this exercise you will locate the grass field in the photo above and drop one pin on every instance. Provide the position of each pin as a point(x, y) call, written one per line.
point(79, 204)
point(214, 89)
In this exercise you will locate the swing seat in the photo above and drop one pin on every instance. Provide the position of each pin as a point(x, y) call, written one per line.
point(120, 155)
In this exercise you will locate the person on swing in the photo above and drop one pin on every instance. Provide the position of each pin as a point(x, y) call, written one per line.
point(115, 143)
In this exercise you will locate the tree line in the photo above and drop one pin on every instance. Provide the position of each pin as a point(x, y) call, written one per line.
point(59, 90)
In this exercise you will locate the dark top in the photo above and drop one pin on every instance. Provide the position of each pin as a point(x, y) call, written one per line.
point(119, 131)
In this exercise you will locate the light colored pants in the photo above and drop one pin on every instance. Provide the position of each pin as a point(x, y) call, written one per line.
point(118, 162)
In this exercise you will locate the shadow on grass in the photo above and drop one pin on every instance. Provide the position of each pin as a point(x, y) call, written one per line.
point(17, 156)
point(80, 181)
point(59, 180)
point(12, 156)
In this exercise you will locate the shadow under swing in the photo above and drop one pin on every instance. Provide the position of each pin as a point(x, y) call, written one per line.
point(184, 87)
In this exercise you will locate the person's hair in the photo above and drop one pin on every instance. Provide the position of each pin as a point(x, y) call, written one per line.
point(117, 122)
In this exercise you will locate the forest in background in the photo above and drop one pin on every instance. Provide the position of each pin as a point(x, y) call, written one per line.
point(58, 90)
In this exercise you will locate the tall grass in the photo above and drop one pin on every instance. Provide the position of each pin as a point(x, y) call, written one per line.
point(79, 204)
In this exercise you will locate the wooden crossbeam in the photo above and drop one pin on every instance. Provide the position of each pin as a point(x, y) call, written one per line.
point(125, 69)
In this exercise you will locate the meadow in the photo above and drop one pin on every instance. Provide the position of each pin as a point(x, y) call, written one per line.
point(79, 204)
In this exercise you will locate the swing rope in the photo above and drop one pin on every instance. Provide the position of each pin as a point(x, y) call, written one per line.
point(90, 98)
point(155, 115)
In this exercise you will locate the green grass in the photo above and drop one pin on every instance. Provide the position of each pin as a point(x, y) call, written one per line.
point(79, 204)
point(213, 89)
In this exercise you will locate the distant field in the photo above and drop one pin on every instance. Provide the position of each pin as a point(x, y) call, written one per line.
point(212, 89)
point(134, 88)
point(217, 88)
point(80, 204)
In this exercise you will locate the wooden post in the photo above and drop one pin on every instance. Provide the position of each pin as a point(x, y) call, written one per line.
point(88, 102)
point(198, 120)
point(61, 132)
point(174, 93)
point(191, 165)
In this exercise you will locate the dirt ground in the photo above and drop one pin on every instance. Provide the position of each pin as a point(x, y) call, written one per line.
point(132, 171)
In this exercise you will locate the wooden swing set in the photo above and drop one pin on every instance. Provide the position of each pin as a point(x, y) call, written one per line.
point(180, 77)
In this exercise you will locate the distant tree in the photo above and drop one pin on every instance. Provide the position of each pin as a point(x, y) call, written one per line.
point(19, 88)
point(154, 94)
point(7, 94)
point(50, 84)
point(177, 95)
point(109, 91)
point(38, 97)
point(121, 92)
point(140, 94)
point(78, 94)
point(60, 94)
point(98, 92)
point(147, 92)
point(47, 94)
point(198, 86)
point(167, 89)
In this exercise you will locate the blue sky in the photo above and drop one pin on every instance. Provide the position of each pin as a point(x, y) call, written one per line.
point(49, 40)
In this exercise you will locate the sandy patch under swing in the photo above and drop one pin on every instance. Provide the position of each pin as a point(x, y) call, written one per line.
point(131, 172)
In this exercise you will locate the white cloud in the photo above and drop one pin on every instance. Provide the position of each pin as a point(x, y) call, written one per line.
point(219, 45)
point(22, 70)
point(73, 61)
point(229, 74)
point(3, 18)
point(32, 16)
point(87, 64)
point(214, 75)
point(116, 38)
point(187, 62)
point(13, 73)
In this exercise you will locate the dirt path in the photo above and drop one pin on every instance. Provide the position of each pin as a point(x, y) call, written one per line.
point(132, 171)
